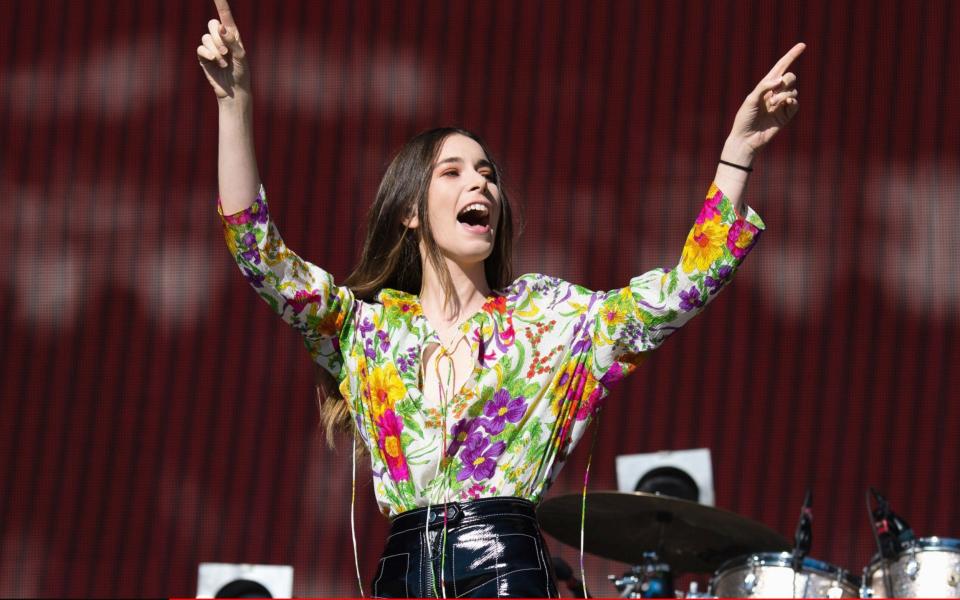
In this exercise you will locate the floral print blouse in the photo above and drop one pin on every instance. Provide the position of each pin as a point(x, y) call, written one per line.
point(546, 354)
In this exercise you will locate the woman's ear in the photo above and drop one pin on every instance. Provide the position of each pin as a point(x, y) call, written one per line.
point(411, 221)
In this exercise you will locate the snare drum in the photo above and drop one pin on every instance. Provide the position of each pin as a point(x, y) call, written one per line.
point(771, 575)
point(929, 568)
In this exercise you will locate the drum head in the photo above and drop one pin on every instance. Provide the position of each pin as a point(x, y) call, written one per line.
point(771, 575)
point(929, 568)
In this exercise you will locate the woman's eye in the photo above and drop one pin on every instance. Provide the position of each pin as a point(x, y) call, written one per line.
point(453, 173)
point(490, 175)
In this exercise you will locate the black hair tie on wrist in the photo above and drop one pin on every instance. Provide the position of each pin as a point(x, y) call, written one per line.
point(736, 166)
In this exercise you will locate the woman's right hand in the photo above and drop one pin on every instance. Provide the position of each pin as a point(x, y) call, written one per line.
point(222, 56)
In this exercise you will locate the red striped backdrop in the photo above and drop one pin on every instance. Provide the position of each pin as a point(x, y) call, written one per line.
point(156, 415)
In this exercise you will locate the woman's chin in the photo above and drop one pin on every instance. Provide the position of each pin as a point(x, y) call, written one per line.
point(468, 254)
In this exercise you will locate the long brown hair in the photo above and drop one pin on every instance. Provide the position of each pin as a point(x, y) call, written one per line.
point(391, 251)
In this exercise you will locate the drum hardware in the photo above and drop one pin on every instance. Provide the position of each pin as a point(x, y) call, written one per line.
point(687, 536)
point(803, 538)
point(664, 537)
point(891, 533)
point(652, 579)
point(564, 573)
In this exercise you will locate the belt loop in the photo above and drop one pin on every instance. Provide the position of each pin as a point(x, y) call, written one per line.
point(454, 512)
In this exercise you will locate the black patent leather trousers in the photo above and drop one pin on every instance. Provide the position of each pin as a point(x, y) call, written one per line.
point(494, 549)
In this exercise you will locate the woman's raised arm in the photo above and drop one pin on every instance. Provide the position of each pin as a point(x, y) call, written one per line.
point(303, 294)
point(765, 111)
point(224, 61)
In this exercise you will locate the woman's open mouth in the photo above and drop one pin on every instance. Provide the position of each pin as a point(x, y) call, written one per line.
point(475, 218)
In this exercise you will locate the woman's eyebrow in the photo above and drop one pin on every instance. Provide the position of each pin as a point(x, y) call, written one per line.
point(456, 159)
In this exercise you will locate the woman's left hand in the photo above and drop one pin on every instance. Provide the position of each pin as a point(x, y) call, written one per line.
point(768, 108)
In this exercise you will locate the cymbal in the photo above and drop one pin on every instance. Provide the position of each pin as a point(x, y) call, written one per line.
point(690, 537)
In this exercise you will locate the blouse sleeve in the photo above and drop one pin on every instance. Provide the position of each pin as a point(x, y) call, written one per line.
point(631, 321)
point(303, 294)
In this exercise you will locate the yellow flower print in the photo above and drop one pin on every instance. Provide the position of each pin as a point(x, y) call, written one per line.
point(613, 315)
point(275, 252)
point(704, 245)
point(386, 388)
point(403, 304)
point(231, 241)
point(571, 382)
point(331, 323)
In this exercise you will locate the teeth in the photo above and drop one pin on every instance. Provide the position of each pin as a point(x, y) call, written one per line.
point(475, 207)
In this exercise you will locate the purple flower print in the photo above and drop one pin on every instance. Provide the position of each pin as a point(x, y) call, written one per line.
point(690, 299)
point(384, 340)
point(479, 459)
point(613, 375)
point(519, 287)
point(255, 279)
point(723, 274)
point(581, 345)
point(502, 408)
point(366, 326)
point(258, 212)
point(252, 253)
point(407, 361)
point(464, 432)
point(369, 350)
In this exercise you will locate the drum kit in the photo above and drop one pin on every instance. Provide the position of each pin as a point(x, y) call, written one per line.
point(666, 537)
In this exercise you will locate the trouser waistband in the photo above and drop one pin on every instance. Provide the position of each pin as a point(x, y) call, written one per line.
point(457, 512)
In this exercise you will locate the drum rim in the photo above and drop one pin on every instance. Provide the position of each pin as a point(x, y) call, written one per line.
point(931, 543)
point(784, 559)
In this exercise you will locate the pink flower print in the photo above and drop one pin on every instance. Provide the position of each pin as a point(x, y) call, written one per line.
point(590, 406)
point(741, 237)
point(710, 210)
point(390, 427)
point(302, 298)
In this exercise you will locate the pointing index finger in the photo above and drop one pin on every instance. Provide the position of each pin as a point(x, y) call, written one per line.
point(226, 17)
point(782, 65)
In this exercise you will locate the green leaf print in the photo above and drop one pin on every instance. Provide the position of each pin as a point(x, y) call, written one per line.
point(392, 497)
point(672, 280)
point(726, 211)
point(273, 302)
point(512, 370)
point(412, 424)
point(530, 390)
point(652, 321)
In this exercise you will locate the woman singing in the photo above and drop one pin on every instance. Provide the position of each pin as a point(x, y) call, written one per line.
point(469, 387)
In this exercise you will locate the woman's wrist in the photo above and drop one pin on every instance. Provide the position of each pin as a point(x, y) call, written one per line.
point(737, 152)
point(240, 103)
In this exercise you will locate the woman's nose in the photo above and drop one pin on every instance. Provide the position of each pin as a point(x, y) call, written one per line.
point(479, 182)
